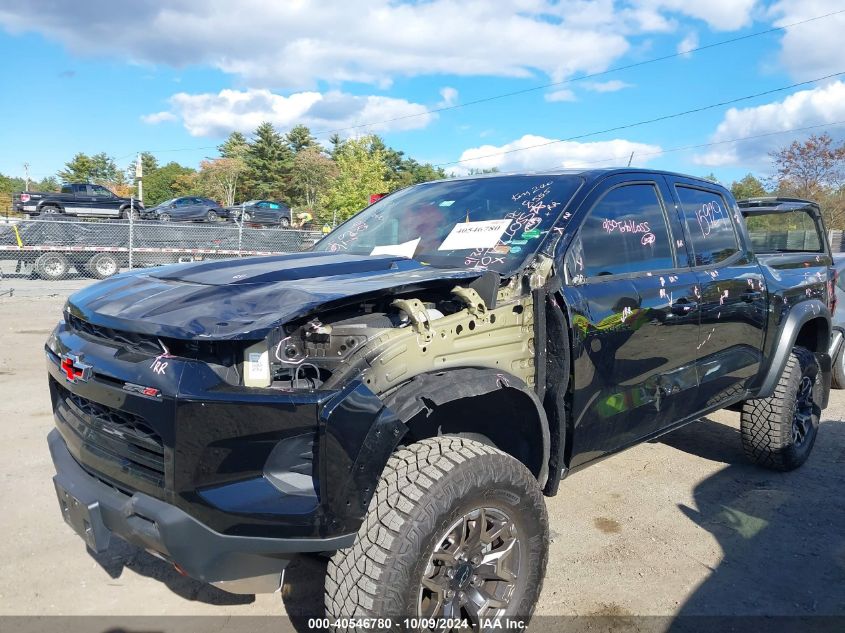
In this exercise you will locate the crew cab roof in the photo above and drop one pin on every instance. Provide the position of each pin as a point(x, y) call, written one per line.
point(593, 174)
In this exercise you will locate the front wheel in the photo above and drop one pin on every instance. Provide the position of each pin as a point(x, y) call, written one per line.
point(284, 223)
point(456, 530)
point(778, 432)
point(212, 216)
point(128, 213)
point(838, 381)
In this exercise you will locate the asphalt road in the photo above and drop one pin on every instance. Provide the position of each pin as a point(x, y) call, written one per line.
point(679, 526)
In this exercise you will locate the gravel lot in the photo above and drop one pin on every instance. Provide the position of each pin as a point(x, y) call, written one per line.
point(679, 526)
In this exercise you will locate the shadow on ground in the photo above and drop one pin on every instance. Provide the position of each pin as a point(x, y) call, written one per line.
point(782, 534)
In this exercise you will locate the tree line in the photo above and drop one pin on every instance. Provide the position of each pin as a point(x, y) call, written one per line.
point(332, 183)
point(335, 182)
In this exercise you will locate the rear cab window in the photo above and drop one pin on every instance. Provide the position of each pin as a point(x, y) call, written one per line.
point(624, 233)
point(709, 225)
point(785, 232)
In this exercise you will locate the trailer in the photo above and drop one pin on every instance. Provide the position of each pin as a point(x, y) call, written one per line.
point(55, 249)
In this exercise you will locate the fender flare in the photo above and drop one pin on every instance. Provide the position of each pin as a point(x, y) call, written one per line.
point(787, 334)
point(440, 387)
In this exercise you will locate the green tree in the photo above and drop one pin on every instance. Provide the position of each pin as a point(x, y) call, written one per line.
point(235, 146)
point(166, 182)
point(748, 187)
point(299, 138)
point(99, 168)
point(711, 177)
point(268, 164)
point(336, 142)
point(219, 178)
point(312, 174)
point(361, 172)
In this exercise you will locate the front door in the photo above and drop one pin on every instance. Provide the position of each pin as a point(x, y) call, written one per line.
point(634, 317)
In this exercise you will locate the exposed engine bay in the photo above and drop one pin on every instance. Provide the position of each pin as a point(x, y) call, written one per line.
point(386, 341)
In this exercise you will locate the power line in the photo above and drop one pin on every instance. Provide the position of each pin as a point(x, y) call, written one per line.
point(645, 122)
point(514, 93)
point(683, 148)
point(602, 73)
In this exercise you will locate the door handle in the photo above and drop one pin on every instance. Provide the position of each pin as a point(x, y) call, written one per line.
point(683, 307)
point(751, 295)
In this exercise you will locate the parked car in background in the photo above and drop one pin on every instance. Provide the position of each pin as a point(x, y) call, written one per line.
point(76, 199)
point(269, 212)
point(187, 209)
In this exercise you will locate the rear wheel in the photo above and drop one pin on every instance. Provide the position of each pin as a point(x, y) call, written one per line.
point(102, 265)
point(456, 529)
point(52, 266)
point(778, 432)
point(50, 210)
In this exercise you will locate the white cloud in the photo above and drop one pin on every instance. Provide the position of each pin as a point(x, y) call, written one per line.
point(296, 44)
point(158, 117)
point(608, 86)
point(687, 44)
point(825, 104)
point(560, 95)
point(449, 97)
point(815, 48)
point(210, 114)
point(722, 15)
point(551, 156)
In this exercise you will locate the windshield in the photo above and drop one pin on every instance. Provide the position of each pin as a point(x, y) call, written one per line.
point(483, 223)
point(167, 203)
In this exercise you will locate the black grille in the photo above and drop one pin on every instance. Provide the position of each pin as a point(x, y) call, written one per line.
point(137, 342)
point(115, 435)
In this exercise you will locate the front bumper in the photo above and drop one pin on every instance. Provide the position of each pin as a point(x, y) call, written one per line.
point(225, 482)
point(238, 564)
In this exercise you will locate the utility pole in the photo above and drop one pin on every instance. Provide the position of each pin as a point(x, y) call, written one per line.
point(139, 177)
point(26, 170)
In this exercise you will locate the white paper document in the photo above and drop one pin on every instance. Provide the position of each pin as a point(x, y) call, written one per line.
point(405, 249)
point(473, 235)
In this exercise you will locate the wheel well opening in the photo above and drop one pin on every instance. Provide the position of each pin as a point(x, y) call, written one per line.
point(507, 417)
point(814, 335)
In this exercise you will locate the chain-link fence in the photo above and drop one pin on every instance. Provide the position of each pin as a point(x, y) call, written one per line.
point(63, 248)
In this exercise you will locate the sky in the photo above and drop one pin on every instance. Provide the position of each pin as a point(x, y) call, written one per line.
point(175, 78)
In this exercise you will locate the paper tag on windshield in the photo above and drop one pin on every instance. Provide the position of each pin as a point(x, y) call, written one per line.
point(405, 249)
point(473, 235)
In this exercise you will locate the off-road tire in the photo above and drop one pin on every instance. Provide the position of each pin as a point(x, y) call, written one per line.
point(423, 490)
point(768, 425)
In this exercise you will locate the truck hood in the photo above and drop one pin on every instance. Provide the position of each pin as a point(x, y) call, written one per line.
point(246, 298)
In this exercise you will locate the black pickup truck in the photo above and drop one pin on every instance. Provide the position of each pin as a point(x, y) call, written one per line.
point(401, 398)
point(77, 199)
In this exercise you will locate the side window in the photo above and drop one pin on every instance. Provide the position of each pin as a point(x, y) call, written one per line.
point(625, 232)
point(67, 189)
point(100, 191)
point(263, 205)
point(273, 205)
point(709, 225)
